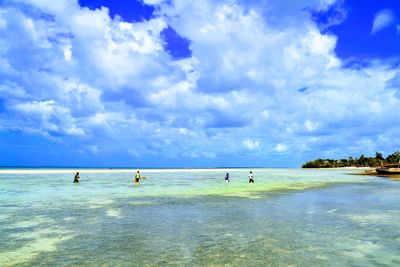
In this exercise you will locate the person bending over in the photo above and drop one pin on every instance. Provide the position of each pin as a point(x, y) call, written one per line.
point(76, 178)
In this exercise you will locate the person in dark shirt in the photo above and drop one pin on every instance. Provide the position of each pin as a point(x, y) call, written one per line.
point(227, 178)
point(76, 178)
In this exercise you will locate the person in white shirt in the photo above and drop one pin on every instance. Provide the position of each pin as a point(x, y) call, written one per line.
point(251, 178)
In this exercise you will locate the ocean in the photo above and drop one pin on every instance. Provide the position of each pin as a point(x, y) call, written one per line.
point(191, 217)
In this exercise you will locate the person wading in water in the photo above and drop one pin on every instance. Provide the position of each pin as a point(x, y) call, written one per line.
point(251, 177)
point(76, 178)
point(227, 178)
point(137, 177)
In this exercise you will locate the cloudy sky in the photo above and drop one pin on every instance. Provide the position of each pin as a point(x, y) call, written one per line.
point(179, 83)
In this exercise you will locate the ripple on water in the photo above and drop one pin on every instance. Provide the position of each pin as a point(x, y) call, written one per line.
point(115, 213)
point(380, 218)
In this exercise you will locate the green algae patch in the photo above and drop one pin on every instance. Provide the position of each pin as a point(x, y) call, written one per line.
point(245, 190)
point(35, 221)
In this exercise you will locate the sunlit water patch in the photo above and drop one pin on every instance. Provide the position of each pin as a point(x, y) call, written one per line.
point(192, 218)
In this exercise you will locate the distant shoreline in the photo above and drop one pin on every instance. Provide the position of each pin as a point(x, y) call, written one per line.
point(362, 161)
point(63, 170)
point(71, 170)
point(340, 168)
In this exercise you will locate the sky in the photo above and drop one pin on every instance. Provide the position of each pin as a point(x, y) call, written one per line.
point(212, 83)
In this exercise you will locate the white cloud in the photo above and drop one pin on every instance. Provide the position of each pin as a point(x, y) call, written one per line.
point(153, 2)
point(382, 19)
point(12, 89)
point(92, 79)
point(67, 53)
point(310, 125)
point(280, 148)
point(50, 116)
point(74, 131)
point(326, 4)
point(251, 144)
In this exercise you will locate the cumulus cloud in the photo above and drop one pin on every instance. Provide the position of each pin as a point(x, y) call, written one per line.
point(81, 78)
point(153, 2)
point(50, 116)
point(251, 144)
point(280, 148)
point(382, 19)
point(326, 4)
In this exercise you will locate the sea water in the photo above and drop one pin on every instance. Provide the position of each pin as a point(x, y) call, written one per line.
point(288, 217)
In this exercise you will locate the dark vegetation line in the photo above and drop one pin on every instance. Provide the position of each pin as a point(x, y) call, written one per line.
point(362, 161)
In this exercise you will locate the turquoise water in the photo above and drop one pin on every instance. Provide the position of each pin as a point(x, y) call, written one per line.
point(288, 217)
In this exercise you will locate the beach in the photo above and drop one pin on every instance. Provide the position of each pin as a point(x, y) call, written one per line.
point(191, 217)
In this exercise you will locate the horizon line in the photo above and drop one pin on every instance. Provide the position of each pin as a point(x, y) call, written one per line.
point(136, 167)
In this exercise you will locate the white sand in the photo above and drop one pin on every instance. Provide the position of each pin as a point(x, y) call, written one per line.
point(33, 171)
point(65, 170)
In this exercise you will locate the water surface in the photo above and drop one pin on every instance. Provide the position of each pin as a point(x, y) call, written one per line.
point(192, 218)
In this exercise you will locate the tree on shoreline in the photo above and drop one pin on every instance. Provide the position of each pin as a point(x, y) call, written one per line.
point(362, 161)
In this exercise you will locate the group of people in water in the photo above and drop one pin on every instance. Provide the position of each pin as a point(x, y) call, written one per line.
point(251, 177)
point(138, 177)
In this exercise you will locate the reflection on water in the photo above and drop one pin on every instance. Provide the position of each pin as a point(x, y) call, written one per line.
point(288, 217)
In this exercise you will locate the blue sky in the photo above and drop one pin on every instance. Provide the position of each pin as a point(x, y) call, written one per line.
point(174, 83)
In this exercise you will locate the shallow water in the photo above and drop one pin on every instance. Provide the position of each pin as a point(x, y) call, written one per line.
point(192, 218)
